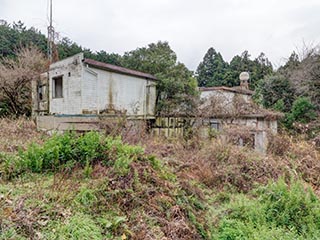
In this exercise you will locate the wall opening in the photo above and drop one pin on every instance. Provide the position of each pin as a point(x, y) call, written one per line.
point(40, 92)
point(57, 87)
point(214, 124)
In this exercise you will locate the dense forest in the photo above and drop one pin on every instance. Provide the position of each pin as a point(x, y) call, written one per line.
point(293, 89)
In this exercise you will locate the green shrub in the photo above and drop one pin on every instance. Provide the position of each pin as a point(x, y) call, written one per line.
point(302, 111)
point(66, 151)
point(292, 207)
point(277, 211)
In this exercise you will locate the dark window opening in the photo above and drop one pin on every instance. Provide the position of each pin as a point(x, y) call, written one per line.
point(57, 85)
point(214, 124)
point(40, 92)
point(69, 74)
point(247, 141)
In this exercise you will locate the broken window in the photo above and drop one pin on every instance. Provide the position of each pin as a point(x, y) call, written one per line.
point(57, 87)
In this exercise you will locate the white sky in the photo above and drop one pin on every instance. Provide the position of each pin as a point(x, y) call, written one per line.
point(275, 27)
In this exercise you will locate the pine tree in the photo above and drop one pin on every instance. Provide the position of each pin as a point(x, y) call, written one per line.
point(211, 70)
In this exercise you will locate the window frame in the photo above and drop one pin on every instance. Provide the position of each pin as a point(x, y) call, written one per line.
point(54, 93)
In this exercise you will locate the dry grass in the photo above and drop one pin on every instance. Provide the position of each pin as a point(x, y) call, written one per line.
point(215, 163)
point(220, 164)
point(17, 133)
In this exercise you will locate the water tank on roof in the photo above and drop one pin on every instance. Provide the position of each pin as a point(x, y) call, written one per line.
point(244, 76)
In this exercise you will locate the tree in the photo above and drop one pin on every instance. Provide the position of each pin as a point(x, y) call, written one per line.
point(111, 58)
point(304, 74)
point(154, 59)
point(273, 88)
point(261, 67)
point(291, 64)
point(211, 70)
point(67, 48)
point(15, 79)
point(303, 111)
point(176, 88)
point(258, 69)
point(17, 36)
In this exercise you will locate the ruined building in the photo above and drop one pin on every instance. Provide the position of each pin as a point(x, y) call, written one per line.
point(76, 91)
point(233, 111)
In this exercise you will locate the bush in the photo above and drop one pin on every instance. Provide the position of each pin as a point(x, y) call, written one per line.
point(67, 151)
point(292, 207)
point(302, 111)
point(277, 211)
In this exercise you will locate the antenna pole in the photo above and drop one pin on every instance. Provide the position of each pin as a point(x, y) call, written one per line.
point(50, 36)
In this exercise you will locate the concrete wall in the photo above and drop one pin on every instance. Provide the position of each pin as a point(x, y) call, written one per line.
point(108, 92)
point(259, 127)
point(225, 97)
point(71, 71)
point(88, 90)
point(40, 95)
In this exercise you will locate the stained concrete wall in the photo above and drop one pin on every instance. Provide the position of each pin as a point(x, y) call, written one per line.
point(259, 127)
point(71, 71)
point(225, 97)
point(88, 90)
point(108, 92)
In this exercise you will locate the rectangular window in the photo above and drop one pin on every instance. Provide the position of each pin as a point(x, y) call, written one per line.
point(57, 87)
point(40, 92)
point(214, 124)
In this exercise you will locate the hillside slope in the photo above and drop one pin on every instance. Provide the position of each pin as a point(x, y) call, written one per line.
point(93, 186)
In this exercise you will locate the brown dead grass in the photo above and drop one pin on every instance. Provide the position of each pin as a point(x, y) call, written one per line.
point(15, 133)
point(302, 156)
point(215, 163)
point(220, 164)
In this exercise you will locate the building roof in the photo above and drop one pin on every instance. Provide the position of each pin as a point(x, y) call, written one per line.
point(117, 69)
point(228, 89)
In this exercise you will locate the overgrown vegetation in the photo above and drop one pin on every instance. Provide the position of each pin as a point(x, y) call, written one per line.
point(114, 190)
point(276, 211)
point(79, 186)
point(16, 76)
point(93, 186)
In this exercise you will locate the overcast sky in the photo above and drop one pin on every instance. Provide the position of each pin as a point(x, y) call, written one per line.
point(275, 27)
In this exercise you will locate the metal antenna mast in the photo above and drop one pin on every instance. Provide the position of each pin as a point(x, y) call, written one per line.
point(50, 36)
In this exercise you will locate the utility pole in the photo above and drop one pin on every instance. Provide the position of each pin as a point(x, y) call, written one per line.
point(50, 36)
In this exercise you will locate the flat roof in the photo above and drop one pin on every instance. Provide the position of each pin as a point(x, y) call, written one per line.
point(117, 69)
point(227, 89)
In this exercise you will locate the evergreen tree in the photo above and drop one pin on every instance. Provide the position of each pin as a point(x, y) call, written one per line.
point(261, 67)
point(275, 89)
point(112, 58)
point(176, 88)
point(67, 48)
point(211, 70)
point(17, 36)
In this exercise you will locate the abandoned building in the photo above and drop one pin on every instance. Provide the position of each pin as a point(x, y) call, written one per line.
point(76, 91)
point(224, 108)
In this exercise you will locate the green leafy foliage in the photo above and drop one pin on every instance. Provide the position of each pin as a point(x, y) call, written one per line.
point(275, 88)
point(176, 87)
point(302, 111)
point(211, 70)
point(80, 226)
point(15, 36)
point(277, 211)
point(67, 151)
point(214, 71)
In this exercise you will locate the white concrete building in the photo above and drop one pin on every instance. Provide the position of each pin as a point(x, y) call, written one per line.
point(80, 87)
point(232, 111)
